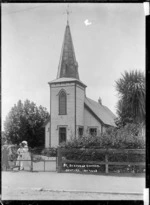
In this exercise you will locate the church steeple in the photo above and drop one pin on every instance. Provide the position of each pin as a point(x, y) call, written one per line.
point(68, 66)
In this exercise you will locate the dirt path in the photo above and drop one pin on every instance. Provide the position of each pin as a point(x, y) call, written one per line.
point(52, 185)
point(26, 194)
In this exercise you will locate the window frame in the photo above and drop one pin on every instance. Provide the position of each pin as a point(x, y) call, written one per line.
point(96, 128)
point(61, 127)
point(59, 103)
point(81, 127)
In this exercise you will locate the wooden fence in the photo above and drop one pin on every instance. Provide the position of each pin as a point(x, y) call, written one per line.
point(41, 159)
point(34, 165)
point(107, 152)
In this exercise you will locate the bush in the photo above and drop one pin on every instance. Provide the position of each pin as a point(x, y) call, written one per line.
point(37, 158)
point(36, 150)
point(49, 152)
point(128, 137)
point(83, 155)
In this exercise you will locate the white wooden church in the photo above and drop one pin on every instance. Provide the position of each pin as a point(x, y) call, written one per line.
point(72, 113)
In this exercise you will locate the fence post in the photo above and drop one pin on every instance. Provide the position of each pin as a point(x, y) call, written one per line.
point(59, 161)
point(56, 159)
point(31, 162)
point(106, 163)
point(44, 165)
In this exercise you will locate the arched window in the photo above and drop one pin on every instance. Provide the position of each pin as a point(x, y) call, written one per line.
point(62, 103)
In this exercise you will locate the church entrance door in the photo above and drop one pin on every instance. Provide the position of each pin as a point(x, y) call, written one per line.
point(62, 134)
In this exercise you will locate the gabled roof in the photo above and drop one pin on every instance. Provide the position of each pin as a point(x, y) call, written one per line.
point(68, 66)
point(102, 112)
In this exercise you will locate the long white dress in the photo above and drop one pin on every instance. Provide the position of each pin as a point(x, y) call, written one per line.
point(26, 156)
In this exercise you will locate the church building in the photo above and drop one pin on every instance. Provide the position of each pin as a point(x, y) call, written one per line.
point(72, 113)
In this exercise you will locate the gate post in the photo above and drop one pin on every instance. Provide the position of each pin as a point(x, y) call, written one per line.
point(59, 161)
point(106, 163)
point(31, 162)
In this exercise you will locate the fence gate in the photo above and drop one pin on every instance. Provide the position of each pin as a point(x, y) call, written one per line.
point(43, 163)
point(39, 160)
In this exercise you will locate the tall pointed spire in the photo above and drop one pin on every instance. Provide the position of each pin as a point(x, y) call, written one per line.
point(68, 66)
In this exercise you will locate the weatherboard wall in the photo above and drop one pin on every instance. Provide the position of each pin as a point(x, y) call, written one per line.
point(91, 122)
point(57, 120)
point(80, 95)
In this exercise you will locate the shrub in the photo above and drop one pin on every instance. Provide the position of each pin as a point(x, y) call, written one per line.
point(127, 137)
point(84, 142)
point(49, 152)
point(83, 155)
point(37, 158)
point(36, 150)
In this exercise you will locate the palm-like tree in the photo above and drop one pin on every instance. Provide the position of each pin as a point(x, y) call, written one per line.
point(131, 89)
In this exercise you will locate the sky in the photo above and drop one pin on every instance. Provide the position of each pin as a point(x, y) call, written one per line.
point(108, 39)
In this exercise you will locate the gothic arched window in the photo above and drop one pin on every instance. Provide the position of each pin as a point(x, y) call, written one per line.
point(62, 103)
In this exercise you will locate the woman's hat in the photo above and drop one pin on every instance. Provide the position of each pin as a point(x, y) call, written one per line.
point(24, 142)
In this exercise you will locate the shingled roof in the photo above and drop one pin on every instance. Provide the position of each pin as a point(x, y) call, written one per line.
point(68, 66)
point(102, 112)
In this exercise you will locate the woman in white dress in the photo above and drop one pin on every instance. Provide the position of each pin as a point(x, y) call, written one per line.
point(26, 156)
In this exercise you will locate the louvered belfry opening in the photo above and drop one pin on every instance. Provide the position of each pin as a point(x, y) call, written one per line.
point(62, 103)
point(68, 66)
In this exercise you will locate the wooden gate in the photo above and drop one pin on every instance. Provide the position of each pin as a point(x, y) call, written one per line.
point(37, 162)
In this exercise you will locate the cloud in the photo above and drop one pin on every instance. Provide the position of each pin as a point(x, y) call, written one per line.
point(87, 22)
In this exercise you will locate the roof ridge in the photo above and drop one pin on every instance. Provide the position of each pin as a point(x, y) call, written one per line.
point(96, 102)
point(101, 111)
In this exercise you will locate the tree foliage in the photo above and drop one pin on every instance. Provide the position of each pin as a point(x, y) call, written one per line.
point(3, 138)
point(25, 122)
point(131, 104)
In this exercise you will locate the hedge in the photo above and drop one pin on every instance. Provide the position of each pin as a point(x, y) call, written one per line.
point(80, 155)
point(124, 138)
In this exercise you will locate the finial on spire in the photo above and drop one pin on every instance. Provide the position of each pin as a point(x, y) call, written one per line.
point(68, 12)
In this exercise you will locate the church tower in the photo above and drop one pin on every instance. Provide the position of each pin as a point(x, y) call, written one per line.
point(67, 94)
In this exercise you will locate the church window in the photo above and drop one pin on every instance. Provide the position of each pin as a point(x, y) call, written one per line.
point(62, 103)
point(80, 131)
point(93, 131)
